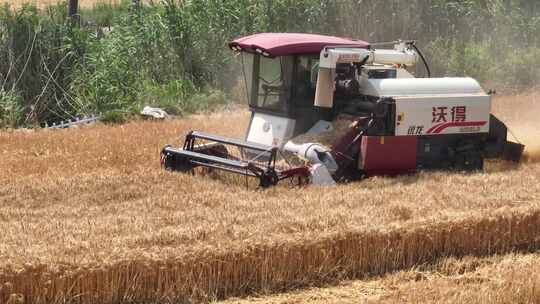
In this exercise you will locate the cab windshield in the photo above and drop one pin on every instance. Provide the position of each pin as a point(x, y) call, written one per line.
point(268, 82)
point(307, 68)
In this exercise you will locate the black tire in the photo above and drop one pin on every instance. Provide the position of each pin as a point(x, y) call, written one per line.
point(268, 178)
point(470, 161)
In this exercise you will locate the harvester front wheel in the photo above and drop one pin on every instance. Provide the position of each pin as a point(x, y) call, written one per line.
point(268, 178)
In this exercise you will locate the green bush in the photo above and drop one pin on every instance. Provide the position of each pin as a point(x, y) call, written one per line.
point(206, 101)
point(37, 53)
point(168, 96)
point(102, 14)
point(517, 69)
point(107, 78)
point(11, 114)
point(114, 117)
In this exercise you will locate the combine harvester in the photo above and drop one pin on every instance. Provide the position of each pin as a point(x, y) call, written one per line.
point(348, 111)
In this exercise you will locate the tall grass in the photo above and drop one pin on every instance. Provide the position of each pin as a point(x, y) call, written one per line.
point(37, 55)
point(164, 53)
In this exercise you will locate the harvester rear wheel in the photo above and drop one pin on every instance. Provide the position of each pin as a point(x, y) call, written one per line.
point(469, 161)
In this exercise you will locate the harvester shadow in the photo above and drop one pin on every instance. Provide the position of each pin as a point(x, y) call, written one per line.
point(498, 166)
point(490, 167)
point(377, 182)
point(238, 182)
point(372, 182)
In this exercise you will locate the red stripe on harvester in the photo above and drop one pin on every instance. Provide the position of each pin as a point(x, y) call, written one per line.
point(434, 127)
point(440, 128)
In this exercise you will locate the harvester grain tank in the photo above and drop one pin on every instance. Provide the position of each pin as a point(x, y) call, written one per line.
point(348, 111)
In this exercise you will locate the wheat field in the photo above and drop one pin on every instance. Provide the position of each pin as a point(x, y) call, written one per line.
point(511, 278)
point(88, 216)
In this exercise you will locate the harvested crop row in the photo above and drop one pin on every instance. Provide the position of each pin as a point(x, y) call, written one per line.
point(88, 215)
point(512, 278)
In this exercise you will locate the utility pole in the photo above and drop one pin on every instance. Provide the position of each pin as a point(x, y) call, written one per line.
point(73, 11)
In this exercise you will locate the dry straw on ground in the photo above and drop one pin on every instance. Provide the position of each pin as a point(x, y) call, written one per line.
point(89, 216)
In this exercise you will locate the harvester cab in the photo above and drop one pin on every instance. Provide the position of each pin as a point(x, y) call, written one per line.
point(348, 111)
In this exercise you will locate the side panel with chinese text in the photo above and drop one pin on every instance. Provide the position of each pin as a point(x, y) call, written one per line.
point(442, 114)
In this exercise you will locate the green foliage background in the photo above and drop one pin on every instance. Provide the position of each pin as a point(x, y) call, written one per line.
point(173, 54)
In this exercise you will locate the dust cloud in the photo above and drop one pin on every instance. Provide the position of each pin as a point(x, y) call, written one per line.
point(521, 113)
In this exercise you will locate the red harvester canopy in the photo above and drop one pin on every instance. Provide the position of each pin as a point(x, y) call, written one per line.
point(284, 44)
